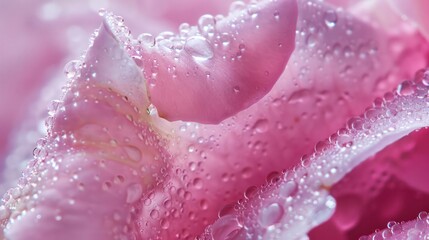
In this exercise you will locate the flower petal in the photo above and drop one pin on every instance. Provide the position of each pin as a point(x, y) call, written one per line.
point(221, 67)
point(416, 229)
point(291, 205)
point(100, 157)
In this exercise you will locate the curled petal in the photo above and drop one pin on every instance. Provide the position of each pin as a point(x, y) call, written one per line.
point(224, 65)
point(100, 156)
point(416, 229)
point(290, 205)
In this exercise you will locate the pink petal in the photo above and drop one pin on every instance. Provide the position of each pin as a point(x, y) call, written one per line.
point(216, 164)
point(291, 205)
point(99, 158)
point(416, 10)
point(416, 229)
point(219, 68)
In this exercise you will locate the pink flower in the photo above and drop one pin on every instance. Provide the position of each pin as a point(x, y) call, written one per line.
point(274, 121)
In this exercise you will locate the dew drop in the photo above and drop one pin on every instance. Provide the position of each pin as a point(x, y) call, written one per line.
point(199, 48)
point(261, 126)
point(406, 88)
point(289, 189)
point(204, 205)
point(206, 23)
point(134, 192)
point(246, 172)
point(236, 89)
point(147, 39)
point(165, 224)
point(106, 186)
point(271, 215)
point(198, 183)
point(276, 15)
point(310, 40)
point(154, 214)
point(102, 12)
point(118, 179)
point(330, 18)
point(250, 192)
point(133, 153)
point(237, 6)
point(71, 69)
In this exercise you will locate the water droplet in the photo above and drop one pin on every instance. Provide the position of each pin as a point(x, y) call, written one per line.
point(225, 39)
point(198, 183)
point(102, 12)
point(236, 89)
point(147, 39)
point(237, 6)
point(310, 40)
point(288, 189)
point(165, 224)
point(299, 96)
point(271, 215)
point(423, 215)
point(199, 48)
point(154, 214)
point(406, 88)
point(133, 153)
point(261, 126)
point(253, 11)
point(118, 179)
point(276, 15)
point(324, 211)
point(72, 68)
point(207, 23)
point(330, 18)
point(58, 218)
point(106, 186)
point(246, 172)
point(134, 192)
point(204, 204)
point(250, 192)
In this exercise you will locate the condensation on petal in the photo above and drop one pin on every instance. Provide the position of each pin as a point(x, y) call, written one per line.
point(100, 155)
point(415, 229)
point(225, 64)
point(398, 114)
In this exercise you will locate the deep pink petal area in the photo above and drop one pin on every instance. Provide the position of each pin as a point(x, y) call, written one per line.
point(292, 203)
point(222, 66)
point(412, 230)
point(100, 157)
point(391, 185)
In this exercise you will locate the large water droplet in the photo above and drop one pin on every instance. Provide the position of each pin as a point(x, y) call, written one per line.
point(71, 69)
point(288, 189)
point(330, 18)
point(271, 215)
point(206, 23)
point(133, 153)
point(199, 48)
point(406, 88)
point(261, 126)
point(134, 192)
point(147, 39)
point(237, 6)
